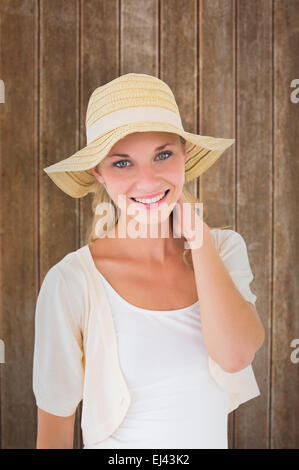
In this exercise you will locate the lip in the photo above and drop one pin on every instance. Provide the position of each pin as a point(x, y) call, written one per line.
point(150, 196)
point(154, 204)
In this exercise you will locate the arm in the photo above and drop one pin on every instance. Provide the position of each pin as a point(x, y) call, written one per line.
point(58, 360)
point(54, 432)
point(239, 330)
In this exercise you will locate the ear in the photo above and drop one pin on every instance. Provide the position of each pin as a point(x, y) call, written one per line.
point(97, 175)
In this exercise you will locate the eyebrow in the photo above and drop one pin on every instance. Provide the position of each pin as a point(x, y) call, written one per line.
point(161, 147)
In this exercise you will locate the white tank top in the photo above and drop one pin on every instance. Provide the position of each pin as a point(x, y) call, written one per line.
point(176, 404)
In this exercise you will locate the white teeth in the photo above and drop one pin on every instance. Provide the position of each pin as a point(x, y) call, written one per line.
point(150, 201)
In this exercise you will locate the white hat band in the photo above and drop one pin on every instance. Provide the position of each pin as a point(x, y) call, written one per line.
point(129, 115)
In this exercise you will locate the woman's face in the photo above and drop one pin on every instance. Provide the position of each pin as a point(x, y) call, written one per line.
point(140, 169)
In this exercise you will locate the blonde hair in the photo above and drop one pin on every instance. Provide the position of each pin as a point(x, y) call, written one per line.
point(112, 215)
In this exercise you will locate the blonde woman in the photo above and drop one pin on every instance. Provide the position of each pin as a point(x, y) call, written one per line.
point(155, 334)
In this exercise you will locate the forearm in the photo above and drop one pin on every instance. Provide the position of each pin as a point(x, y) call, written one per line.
point(54, 432)
point(231, 328)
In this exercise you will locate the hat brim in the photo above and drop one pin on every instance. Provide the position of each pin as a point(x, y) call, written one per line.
point(73, 175)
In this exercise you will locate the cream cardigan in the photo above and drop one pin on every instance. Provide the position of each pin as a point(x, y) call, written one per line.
point(76, 352)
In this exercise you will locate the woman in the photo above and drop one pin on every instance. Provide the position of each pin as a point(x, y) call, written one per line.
point(158, 348)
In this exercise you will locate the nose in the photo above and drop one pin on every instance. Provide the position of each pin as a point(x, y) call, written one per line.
point(148, 180)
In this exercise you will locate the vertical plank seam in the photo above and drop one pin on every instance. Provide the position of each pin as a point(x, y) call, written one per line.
point(197, 26)
point(38, 142)
point(199, 91)
point(38, 157)
point(119, 37)
point(272, 228)
point(236, 153)
point(1, 239)
point(78, 200)
point(158, 46)
point(78, 139)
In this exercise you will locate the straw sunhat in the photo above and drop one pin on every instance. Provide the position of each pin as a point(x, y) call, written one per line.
point(134, 102)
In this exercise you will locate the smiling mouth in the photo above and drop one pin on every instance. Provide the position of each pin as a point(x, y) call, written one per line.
point(149, 203)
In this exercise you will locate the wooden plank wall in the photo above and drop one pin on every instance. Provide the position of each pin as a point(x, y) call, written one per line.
point(230, 64)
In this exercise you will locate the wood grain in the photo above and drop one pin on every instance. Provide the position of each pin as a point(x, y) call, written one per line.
point(19, 218)
point(217, 115)
point(230, 64)
point(254, 190)
point(284, 406)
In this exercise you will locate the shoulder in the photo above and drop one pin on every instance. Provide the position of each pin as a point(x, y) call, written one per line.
point(69, 269)
point(66, 286)
point(232, 248)
point(226, 238)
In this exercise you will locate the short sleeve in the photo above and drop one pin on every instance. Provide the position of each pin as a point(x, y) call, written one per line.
point(233, 252)
point(232, 249)
point(58, 368)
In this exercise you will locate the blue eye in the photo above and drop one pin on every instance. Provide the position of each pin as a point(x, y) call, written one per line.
point(123, 161)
